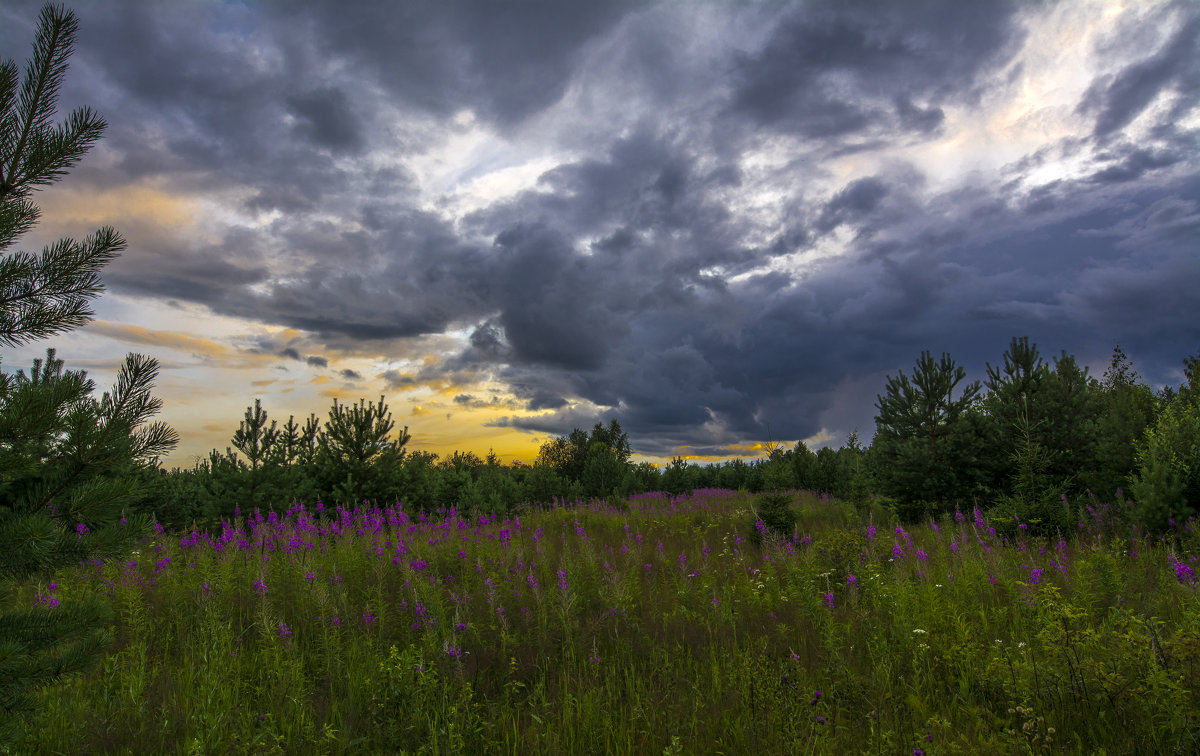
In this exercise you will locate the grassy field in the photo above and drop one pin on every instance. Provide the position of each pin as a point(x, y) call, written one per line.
point(652, 625)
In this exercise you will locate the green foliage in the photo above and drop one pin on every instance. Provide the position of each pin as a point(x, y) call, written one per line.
point(47, 294)
point(960, 644)
point(70, 465)
point(677, 478)
point(857, 477)
point(927, 440)
point(1059, 406)
point(598, 462)
point(1167, 486)
point(1126, 409)
point(353, 438)
point(1037, 506)
point(774, 509)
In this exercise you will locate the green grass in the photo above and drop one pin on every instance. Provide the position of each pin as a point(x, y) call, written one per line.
point(645, 626)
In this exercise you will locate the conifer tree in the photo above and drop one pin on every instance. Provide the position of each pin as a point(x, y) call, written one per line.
point(927, 439)
point(68, 462)
point(1167, 485)
point(1126, 408)
point(355, 447)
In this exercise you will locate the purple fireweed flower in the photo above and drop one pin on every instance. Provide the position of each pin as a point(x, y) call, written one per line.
point(368, 617)
point(816, 697)
point(954, 545)
point(897, 552)
point(284, 631)
point(81, 529)
point(46, 600)
point(760, 526)
point(1183, 573)
point(562, 579)
point(851, 580)
point(1035, 575)
point(260, 586)
point(870, 532)
point(922, 555)
point(716, 601)
point(827, 596)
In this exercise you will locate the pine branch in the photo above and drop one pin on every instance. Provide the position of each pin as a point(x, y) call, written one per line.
point(17, 216)
point(58, 149)
point(48, 295)
point(8, 115)
point(130, 400)
point(39, 97)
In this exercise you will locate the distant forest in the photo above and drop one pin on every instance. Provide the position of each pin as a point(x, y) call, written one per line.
point(1033, 444)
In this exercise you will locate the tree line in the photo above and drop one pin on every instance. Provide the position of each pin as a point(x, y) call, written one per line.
point(1032, 443)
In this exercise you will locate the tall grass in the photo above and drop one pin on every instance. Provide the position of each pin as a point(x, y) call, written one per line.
point(648, 625)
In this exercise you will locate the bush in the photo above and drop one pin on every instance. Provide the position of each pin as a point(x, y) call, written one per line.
point(1167, 486)
point(774, 509)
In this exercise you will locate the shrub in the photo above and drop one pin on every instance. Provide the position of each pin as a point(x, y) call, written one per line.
point(1167, 486)
point(774, 509)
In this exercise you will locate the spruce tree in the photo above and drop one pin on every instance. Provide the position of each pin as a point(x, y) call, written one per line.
point(69, 463)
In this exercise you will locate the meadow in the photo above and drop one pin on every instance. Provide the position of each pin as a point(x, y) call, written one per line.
point(652, 624)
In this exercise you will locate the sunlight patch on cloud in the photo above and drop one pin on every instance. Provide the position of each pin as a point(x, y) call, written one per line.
point(474, 167)
point(184, 342)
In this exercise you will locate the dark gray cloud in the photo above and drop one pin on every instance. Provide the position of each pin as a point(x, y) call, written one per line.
point(831, 70)
point(735, 236)
point(325, 119)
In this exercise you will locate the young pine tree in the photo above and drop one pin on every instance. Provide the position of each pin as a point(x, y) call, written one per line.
point(1167, 484)
point(926, 446)
point(68, 462)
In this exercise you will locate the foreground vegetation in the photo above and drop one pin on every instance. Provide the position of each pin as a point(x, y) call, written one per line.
point(655, 624)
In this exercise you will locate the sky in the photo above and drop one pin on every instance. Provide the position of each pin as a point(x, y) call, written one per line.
point(722, 224)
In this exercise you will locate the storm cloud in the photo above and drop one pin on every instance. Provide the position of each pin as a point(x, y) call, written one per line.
point(717, 223)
